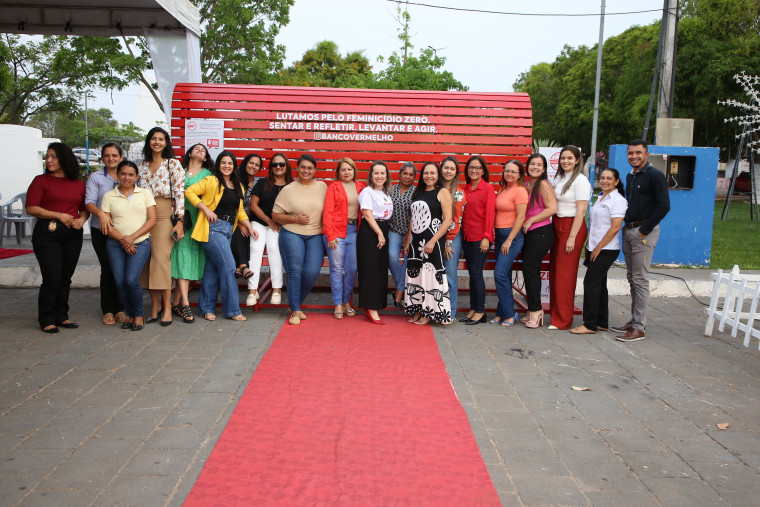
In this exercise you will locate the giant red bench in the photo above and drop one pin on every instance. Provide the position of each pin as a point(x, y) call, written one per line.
point(396, 126)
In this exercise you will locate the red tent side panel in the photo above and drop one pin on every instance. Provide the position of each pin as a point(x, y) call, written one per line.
point(396, 126)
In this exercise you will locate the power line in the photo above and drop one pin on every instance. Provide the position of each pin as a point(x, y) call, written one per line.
point(542, 14)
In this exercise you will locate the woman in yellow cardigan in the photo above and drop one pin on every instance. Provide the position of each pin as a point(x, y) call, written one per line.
point(219, 197)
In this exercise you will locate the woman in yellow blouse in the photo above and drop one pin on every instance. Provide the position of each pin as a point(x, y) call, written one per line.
point(219, 198)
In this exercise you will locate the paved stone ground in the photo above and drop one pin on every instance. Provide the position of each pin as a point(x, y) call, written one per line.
point(101, 416)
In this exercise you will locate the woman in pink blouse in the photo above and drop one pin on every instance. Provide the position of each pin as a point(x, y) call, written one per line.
point(161, 173)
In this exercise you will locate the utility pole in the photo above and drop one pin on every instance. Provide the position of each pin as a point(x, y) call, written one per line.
point(667, 73)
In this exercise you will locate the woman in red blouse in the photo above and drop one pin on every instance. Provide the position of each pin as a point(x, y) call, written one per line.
point(477, 227)
point(56, 199)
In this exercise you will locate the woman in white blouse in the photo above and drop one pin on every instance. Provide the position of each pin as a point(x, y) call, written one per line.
point(372, 241)
point(162, 174)
point(573, 192)
point(603, 248)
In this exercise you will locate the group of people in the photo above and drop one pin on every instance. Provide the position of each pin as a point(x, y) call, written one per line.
point(206, 220)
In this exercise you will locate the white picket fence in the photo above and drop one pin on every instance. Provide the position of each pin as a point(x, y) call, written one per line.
point(734, 290)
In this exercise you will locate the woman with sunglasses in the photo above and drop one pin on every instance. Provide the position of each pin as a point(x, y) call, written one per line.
point(264, 195)
point(573, 191)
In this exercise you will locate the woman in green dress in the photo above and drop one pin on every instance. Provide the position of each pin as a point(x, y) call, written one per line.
point(188, 258)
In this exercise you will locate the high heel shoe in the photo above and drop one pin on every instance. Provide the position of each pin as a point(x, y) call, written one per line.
point(465, 319)
point(373, 320)
point(537, 322)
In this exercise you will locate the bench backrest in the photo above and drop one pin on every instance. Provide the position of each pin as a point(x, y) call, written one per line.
point(396, 126)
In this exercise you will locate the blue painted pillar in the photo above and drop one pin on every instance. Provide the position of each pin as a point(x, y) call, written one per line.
point(686, 232)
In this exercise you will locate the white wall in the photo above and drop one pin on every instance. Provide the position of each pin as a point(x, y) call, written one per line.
point(23, 150)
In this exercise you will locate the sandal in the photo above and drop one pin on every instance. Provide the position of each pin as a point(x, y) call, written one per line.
point(246, 273)
point(497, 322)
point(294, 319)
point(338, 314)
point(209, 316)
point(187, 315)
point(423, 321)
point(239, 317)
point(121, 317)
point(109, 319)
point(177, 310)
point(238, 273)
point(350, 312)
point(508, 322)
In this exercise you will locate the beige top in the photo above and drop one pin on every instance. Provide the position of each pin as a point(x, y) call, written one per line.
point(353, 200)
point(128, 214)
point(295, 199)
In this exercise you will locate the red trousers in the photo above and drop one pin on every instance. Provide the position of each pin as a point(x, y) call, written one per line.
point(563, 271)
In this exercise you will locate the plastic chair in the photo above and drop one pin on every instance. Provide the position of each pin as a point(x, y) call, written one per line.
point(19, 218)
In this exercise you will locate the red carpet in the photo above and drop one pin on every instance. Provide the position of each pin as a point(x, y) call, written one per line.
point(347, 413)
point(6, 253)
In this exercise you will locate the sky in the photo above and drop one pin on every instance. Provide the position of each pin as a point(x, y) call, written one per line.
point(485, 51)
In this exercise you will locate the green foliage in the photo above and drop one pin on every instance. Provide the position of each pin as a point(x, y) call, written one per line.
point(737, 240)
point(562, 92)
point(323, 65)
point(71, 129)
point(421, 72)
point(51, 72)
point(238, 39)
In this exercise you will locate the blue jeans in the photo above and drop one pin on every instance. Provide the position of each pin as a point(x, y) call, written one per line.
point(126, 274)
point(502, 272)
point(343, 266)
point(451, 272)
point(476, 261)
point(398, 267)
point(219, 272)
point(302, 257)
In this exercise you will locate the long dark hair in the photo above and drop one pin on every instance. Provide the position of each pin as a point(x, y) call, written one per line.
point(241, 168)
point(535, 192)
point(234, 178)
point(486, 176)
point(66, 159)
point(269, 185)
point(421, 186)
point(207, 162)
point(616, 174)
point(576, 170)
point(167, 153)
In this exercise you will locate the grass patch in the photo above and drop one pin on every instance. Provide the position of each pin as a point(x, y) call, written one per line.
point(737, 240)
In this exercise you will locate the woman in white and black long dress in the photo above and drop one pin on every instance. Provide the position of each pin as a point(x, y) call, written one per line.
point(427, 289)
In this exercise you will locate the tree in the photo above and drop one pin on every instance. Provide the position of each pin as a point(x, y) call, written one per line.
point(50, 73)
point(421, 72)
point(562, 91)
point(323, 65)
point(71, 129)
point(238, 39)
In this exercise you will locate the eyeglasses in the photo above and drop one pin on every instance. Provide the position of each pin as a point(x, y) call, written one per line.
point(278, 164)
point(511, 171)
point(475, 168)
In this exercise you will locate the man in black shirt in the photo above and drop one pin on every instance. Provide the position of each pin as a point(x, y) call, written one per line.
point(648, 203)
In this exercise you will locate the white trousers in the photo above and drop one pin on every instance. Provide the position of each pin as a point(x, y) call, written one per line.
point(270, 239)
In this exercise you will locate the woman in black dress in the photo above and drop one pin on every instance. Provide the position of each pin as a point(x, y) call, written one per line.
point(427, 289)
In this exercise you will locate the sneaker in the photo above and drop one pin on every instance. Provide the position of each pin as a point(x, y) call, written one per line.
point(276, 298)
point(251, 300)
point(633, 335)
point(624, 328)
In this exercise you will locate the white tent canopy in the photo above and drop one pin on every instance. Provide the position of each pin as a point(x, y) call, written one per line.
point(171, 27)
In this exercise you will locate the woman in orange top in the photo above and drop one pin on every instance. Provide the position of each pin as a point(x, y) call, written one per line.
point(511, 203)
point(340, 221)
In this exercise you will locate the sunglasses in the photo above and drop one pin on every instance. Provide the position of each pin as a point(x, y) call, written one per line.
point(278, 164)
